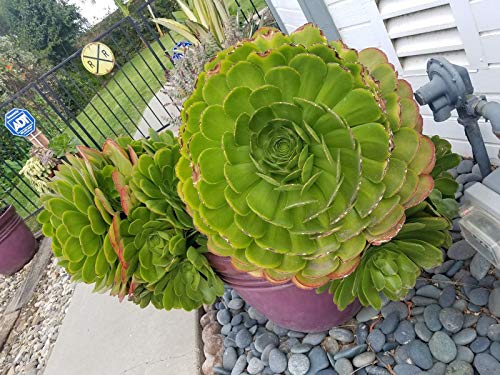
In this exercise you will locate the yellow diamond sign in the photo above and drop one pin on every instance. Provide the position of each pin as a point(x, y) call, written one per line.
point(98, 58)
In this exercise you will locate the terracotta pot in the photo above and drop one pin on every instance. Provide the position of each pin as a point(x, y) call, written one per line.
point(285, 304)
point(17, 243)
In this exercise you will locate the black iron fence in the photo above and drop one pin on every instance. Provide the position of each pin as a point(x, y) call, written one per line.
point(129, 101)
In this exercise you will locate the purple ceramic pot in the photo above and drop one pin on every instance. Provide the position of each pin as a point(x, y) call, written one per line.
point(286, 305)
point(17, 243)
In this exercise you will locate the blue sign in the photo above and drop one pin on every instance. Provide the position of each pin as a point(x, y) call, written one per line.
point(20, 122)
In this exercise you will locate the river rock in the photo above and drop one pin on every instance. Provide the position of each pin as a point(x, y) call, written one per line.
point(442, 347)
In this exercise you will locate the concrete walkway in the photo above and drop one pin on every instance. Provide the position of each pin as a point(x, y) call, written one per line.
point(156, 110)
point(101, 336)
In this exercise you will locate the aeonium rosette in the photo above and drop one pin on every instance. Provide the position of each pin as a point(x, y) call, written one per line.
point(297, 154)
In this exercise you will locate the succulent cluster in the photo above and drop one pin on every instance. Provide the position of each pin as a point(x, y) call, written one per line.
point(298, 154)
point(116, 221)
point(38, 169)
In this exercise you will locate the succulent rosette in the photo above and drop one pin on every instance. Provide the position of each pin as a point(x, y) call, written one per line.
point(297, 154)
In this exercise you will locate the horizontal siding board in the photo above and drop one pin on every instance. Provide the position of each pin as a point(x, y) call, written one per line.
point(439, 41)
point(491, 46)
point(360, 36)
point(414, 64)
point(485, 14)
point(394, 8)
point(344, 14)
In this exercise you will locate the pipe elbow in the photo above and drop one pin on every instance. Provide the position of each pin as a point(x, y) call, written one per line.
point(491, 112)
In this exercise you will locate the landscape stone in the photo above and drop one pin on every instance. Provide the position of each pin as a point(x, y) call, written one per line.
point(376, 370)
point(363, 359)
point(470, 320)
point(451, 319)
point(330, 345)
point(442, 347)
point(459, 368)
point(465, 336)
point(495, 350)
point(439, 368)
point(298, 364)
point(350, 352)
point(494, 302)
point(243, 338)
point(318, 359)
point(300, 348)
point(422, 331)
point(255, 366)
point(465, 166)
point(485, 364)
point(420, 354)
point(442, 281)
point(236, 304)
point(406, 369)
point(483, 324)
point(429, 291)
point(423, 301)
point(447, 298)
point(327, 371)
point(229, 358)
point(461, 250)
point(479, 266)
point(376, 340)
point(366, 313)
point(361, 333)
point(479, 296)
point(343, 366)
point(277, 361)
point(223, 317)
point(400, 307)
point(314, 338)
point(480, 344)
point(464, 354)
point(431, 317)
point(265, 339)
point(390, 323)
point(341, 334)
point(494, 332)
point(404, 333)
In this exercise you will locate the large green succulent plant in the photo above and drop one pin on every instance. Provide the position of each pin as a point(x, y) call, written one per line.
point(298, 153)
point(115, 220)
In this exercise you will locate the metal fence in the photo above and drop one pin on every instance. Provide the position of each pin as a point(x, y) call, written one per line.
point(128, 101)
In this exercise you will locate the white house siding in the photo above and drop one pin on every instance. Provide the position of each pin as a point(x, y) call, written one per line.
point(290, 13)
point(409, 32)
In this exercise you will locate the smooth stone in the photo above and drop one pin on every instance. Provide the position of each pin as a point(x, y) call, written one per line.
point(243, 338)
point(422, 332)
point(287, 345)
point(385, 360)
point(366, 313)
point(469, 177)
point(314, 338)
point(229, 358)
point(401, 355)
point(295, 334)
point(431, 317)
point(459, 368)
point(455, 268)
point(487, 281)
point(469, 283)
point(461, 250)
point(226, 328)
point(460, 304)
point(390, 323)
point(318, 359)
point(439, 368)
point(330, 345)
point(479, 266)
point(343, 366)
point(237, 319)
point(445, 266)
point(448, 296)
point(236, 304)
point(494, 332)
point(442, 281)
point(239, 327)
point(300, 348)
point(473, 308)
point(480, 345)
point(376, 340)
point(376, 370)
point(216, 370)
point(350, 352)
point(409, 295)
point(465, 166)
point(423, 301)
point(429, 291)
point(253, 329)
point(420, 354)
point(404, 333)
point(464, 354)
point(494, 302)
point(483, 324)
point(341, 334)
point(388, 346)
point(280, 331)
point(486, 364)
point(254, 314)
point(265, 339)
point(442, 347)
point(363, 359)
point(327, 371)
point(400, 307)
point(277, 361)
point(265, 354)
point(465, 336)
point(255, 366)
point(406, 369)
point(228, 341)
point(223, 317)
point(240, 365)
point(361, 334)
point(298, 364)
point(495, 350)
point(418, 310)
point(479, 296)
point(476, 170)
point(451, 319)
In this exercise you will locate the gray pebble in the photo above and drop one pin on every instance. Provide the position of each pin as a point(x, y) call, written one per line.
point(277, 361)
point(461, 250)
point(318, 359)
point(469, 177)
point(280, 331)
point(431, 317)
point(343, 366)
point(254, 314)
point(361, 333)
point(476, 170)
point(265, 354)
point(406, 369)
point(442, 281)
point(300, 348)
point(295, 334)
point(265, 339)
point(451, 319)
point(220, 371)
point(429, 291)
point(363, 359)
point(255, 366)
point(401, 355)
point(480, 344)
point(447, 298)
point(459, 367)
point(494, 302)
point(376, 370)
point(376, 340)
point(473, 308)
point(400, 307)
point(240, 365)
point(460, 304)
point(465, 336)
point(423, 301)
point(236, 304)
point(327, 371)
point(485, 364)
point(366, 313)
point(286, 345)
point(330, 345)
point(417, 310)
point(243, 338)
point(446, 265)
point(226, 328)
point(253, 329)
point(464, 354)
point(298, 364)
point(455, 268)
point(483, 324)
point(404, 333)
point(229, 358)
point(388, 346)
point(494, 332)
point(487, 281)
point(465, 166)
point(420, 354)
point(390, 323)
point(314, 338)
point(422, 331)
point(223, 317)
point(439, 368)
point(350, 352)
point(341, 334)
point(479, 266)
point(442, 347)
point(495, 350)
point(479, 296)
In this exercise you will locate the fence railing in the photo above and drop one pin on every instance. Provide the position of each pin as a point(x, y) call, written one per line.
point(128, 101)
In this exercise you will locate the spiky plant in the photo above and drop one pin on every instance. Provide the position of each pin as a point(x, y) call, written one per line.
point(297, 154)
point(116, 222)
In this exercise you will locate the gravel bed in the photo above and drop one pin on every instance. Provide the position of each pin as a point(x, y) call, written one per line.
point(447, 325)
point(31, 341)
point(9, 286)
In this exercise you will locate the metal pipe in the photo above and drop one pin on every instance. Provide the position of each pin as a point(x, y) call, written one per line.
point(491, 112)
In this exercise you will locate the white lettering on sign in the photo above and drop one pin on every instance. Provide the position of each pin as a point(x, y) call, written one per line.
point(21, 122)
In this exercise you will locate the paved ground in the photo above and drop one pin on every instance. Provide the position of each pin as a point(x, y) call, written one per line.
point(100, 336)
point(155, 115)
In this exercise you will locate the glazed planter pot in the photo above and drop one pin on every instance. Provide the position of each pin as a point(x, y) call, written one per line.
point(17, 243)
point(285, 304)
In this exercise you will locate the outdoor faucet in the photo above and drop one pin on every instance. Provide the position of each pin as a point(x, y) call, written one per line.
point(450, 88)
